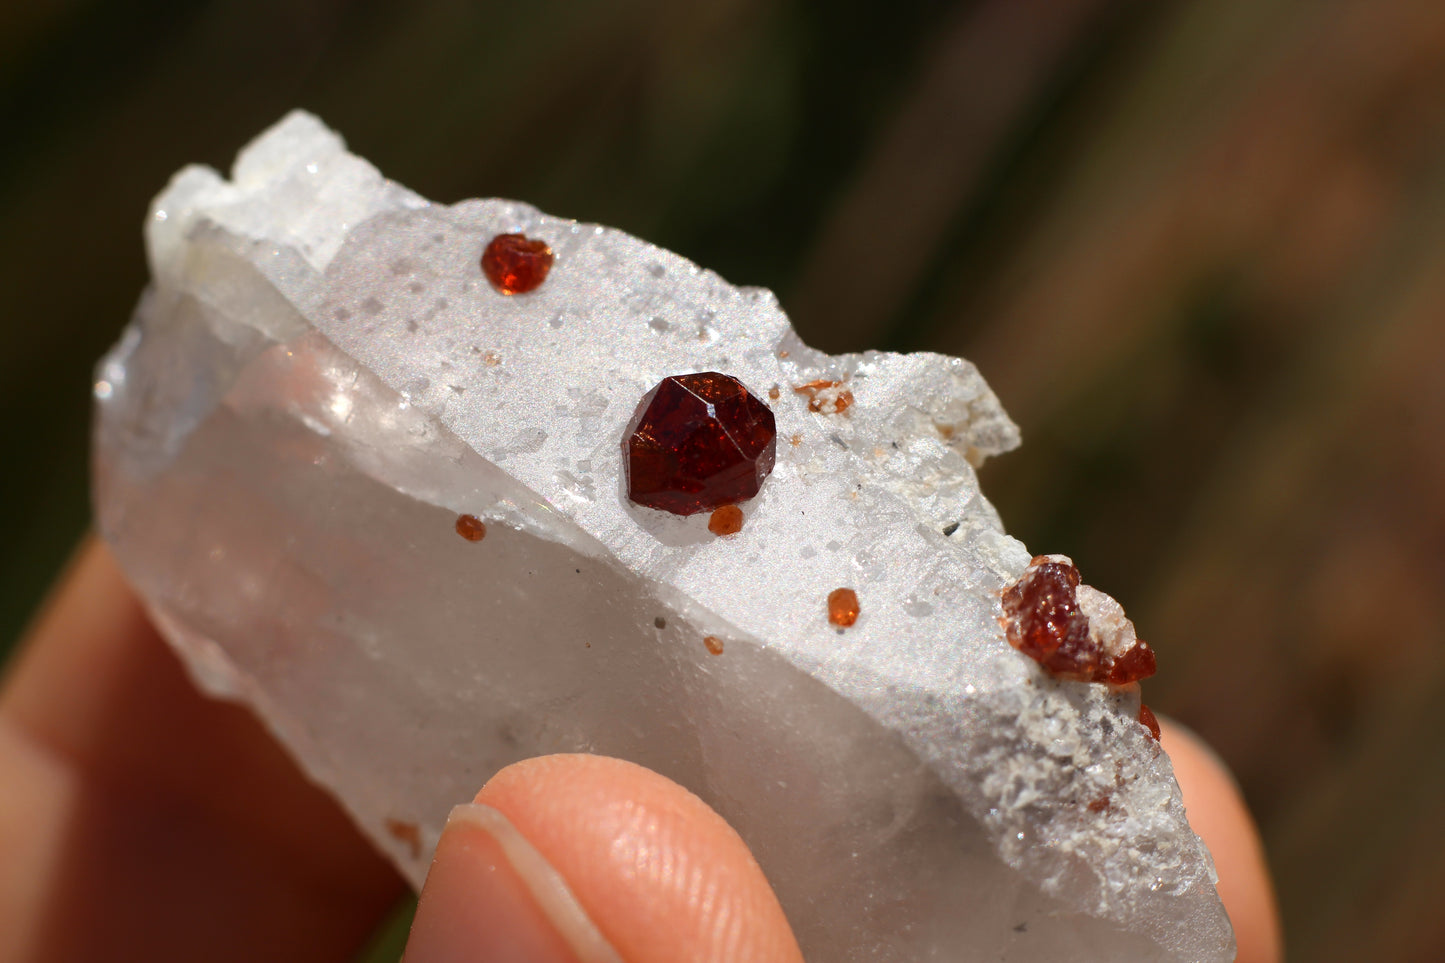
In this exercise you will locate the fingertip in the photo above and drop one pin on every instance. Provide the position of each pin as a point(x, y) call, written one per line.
point(662, 876)
point(1219, 816)
point(489, 895)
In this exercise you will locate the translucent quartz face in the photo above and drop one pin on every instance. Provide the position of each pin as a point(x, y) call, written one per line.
point(383, 502)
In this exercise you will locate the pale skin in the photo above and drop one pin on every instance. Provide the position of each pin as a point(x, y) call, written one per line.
point(141, 820)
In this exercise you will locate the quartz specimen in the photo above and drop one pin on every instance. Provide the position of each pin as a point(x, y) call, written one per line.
point(319, 382)
point(697, 442)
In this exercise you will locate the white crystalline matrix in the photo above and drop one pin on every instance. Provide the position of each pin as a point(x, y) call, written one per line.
point(319, 381)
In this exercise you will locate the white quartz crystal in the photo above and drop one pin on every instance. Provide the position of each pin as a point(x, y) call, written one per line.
point(319, 380)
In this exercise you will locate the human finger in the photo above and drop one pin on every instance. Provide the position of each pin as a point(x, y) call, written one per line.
point(585, 859)
point(1218, 814)
point(141, 819)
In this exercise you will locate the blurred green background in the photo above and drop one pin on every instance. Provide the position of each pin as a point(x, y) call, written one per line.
point(1197, 247)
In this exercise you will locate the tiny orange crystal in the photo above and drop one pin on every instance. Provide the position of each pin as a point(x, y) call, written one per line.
point(1148, 720)
point(406, 833)
point(714, 644)
point(843, 607)
point(727, 520)
point(472, 528)
point(516, 264)
point(826, 397)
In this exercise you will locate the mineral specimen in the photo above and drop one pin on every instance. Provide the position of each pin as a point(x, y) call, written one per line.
point(319, 381)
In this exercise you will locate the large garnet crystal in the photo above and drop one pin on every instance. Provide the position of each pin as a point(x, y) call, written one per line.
point(698, 442)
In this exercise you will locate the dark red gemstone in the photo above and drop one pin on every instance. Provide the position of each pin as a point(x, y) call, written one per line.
point(698, 442)
point(1045, 621)
point(515, 263)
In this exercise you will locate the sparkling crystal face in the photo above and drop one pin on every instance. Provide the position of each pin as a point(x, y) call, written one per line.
point(516, 264)
point(698, 442)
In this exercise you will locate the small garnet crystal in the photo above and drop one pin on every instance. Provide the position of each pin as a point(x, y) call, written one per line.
point(516, 264)
point(1072, 630)
point(727, 520)
point(472, 528)
point(698, 442)
point(1149, 721)
point(843, 607)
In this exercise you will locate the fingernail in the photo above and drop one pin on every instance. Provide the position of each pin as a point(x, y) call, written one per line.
point(490, 895)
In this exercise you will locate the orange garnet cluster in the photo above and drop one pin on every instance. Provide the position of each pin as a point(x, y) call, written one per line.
point(1073, 631)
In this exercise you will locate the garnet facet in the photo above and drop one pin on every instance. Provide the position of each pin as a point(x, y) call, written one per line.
point(515, 263)
point(698, 442)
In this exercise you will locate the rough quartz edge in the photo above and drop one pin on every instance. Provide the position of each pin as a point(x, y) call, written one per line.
point(969, 422)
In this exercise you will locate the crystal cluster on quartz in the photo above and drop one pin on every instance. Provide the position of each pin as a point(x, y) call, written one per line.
point(324, 387)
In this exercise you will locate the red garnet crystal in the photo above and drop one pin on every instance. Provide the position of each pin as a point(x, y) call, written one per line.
point(1046, 622)
point(698, 442)
point(516, 264)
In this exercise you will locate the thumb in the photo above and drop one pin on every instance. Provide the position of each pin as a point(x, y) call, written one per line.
point(584, 859)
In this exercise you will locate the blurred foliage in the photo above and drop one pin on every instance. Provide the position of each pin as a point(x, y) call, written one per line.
point(389, 941)
point(1196, 245)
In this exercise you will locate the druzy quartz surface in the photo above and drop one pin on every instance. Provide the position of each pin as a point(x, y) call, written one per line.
point(320, 382)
